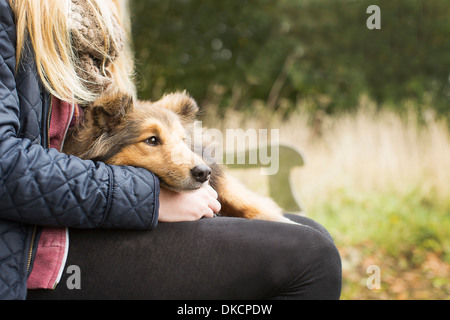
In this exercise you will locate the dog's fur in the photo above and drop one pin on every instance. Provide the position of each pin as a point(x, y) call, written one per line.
point(120, 131)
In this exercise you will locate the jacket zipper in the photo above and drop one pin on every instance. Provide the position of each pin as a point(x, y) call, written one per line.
point(33, 236)
point(30, 253)
point(48, 120)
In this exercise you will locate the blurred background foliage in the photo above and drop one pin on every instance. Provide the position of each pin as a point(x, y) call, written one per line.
point(285, 52)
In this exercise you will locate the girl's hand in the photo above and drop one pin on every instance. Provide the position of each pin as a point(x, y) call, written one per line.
point(188, 206)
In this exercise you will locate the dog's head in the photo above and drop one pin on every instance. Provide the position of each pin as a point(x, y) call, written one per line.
point(151, 135)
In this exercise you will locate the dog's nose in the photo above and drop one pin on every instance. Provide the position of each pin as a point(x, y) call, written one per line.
point(201, 173)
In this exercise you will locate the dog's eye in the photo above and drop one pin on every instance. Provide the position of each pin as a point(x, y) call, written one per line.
point(153, 141)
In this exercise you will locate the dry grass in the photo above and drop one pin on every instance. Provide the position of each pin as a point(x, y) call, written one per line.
point(372, 152)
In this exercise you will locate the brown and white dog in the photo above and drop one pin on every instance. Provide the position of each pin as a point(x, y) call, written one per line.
point(154, 135)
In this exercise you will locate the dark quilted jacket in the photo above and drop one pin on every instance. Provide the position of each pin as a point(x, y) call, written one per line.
point(40, 186)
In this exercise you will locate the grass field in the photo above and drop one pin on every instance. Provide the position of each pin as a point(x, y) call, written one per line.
point(380, 183)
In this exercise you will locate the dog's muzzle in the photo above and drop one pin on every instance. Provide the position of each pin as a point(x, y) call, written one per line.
point(201, 173)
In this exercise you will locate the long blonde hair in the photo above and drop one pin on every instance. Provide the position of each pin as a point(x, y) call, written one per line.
point(45, 22)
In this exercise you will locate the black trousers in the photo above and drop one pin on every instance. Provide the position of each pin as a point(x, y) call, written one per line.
point(215, 258)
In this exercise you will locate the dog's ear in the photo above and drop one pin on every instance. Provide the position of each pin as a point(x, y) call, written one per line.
point(182, 104)
point(108, 111)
